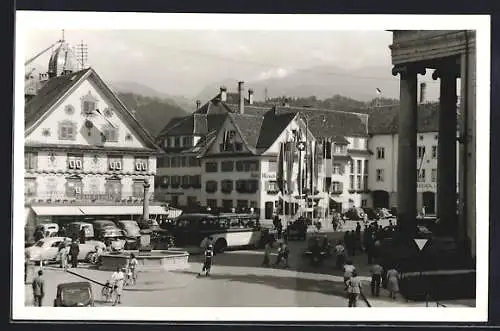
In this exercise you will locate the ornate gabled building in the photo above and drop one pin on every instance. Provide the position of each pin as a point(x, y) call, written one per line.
point(226, 156)
point(86, 156)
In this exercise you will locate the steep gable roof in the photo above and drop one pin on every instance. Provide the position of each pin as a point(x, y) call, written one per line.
point(49, 94)
point(249, 127)
point(55, 88)
point(385, 120)
point(272, 127)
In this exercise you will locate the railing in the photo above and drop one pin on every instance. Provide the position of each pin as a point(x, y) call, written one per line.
point(86, 197)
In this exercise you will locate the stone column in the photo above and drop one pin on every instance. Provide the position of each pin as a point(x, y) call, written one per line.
point(407, 148)
point(145, 203)
point(447, 147)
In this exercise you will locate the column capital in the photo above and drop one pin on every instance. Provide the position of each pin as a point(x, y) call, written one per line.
point(448, 71)
point(407, 69)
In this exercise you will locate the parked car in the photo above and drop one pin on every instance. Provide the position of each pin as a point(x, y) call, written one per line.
point(132, 233)
point(76, 294)
point(371, 214)
point(48, 229)
point(355, 214)
point(73, 229)
point(150, 224)
point(100, 225)
point(384, 213)
point(47, 250)
point(115, 236)
point(297, 229)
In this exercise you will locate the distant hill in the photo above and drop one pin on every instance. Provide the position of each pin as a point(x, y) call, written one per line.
point(152, 113)
point(140, 89)
point(323, 83)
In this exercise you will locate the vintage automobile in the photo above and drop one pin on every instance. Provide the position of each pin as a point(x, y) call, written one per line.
point(297, 229)
point(100, 225)
point(115, 237)
point(73, 229)
point(48, 229)
point(316, 250)
point(47, 250)
point(77, 294)
point(355, 214)
point(383, 213)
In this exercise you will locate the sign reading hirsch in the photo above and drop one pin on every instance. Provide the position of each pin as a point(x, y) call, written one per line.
point(422, 187)
point(269, 175)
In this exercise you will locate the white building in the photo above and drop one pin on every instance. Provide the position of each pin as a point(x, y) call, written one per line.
point(383, 142)
point(86, 156)
point(225, 156)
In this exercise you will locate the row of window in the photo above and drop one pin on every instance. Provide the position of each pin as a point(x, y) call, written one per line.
point(176, 181)
point(420, 175)
point(229, 166)
point(75, 162)
point(356, 167)
point(67, 131)
point(74, 188)
point(228, 204)
point(249, 186)
point(358, 182)
point(178, 162)
point(178, 142)
point(380, 152)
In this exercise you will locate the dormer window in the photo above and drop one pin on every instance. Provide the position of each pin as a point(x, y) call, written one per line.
point(187, 141)
point(228, 141)
point(67, 130)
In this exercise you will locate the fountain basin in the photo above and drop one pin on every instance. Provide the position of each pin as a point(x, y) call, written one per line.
point(159, 260)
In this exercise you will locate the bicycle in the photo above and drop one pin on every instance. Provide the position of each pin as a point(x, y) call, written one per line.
point(108, 291)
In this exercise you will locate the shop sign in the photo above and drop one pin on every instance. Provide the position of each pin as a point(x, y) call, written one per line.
point(270, 175)
point(422, 187)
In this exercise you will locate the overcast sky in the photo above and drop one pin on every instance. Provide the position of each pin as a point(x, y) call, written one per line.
point(184, 62)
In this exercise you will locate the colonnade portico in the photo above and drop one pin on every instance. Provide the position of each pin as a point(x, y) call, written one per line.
point(451, 54)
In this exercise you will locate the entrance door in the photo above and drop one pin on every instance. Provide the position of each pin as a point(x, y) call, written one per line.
point(429, 202)
point(380, 199)
point(269, 208)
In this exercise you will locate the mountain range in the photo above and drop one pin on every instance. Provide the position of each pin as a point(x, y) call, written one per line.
point(322, 82)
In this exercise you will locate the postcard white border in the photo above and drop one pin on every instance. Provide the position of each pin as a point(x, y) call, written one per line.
point(26, 20)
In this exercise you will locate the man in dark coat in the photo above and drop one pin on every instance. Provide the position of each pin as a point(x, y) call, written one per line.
point(74, 251)
point(38, 286)
point(82, 235)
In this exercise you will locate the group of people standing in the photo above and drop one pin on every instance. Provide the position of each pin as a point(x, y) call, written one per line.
point(68, 252)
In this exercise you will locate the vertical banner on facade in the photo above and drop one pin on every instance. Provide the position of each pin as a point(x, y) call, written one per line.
point(289, 167)
point(281, 168)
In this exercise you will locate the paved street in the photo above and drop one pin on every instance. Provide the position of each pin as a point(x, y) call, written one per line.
point(236, 280)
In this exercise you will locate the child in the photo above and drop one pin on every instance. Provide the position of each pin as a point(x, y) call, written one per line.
point(209, 253)
point(132, 266)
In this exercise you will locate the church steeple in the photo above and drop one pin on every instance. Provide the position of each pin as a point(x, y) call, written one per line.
point(62, 61)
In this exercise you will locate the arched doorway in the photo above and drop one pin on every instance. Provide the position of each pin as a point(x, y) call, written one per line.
point(429, 202)
point(380, 199)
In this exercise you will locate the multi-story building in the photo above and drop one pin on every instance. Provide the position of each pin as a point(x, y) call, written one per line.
point(383, 142)
point(85, 153)
point(226, 156)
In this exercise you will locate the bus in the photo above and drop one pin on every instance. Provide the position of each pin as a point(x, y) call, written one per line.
point(227, 230)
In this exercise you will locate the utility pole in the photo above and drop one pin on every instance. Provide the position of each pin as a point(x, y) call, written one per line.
point(82, 55)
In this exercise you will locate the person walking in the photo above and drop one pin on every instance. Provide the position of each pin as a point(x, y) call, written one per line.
point(349, 269)
point(354, 289)
point(82, 235)
point(392, 283)
point(285, 252)
point(207, 265)
point(38, 286)
point(63, 254)
point(117, 281)
point(132, 265)
point(376, 271)
point(267, 254)
point(340, 253)
point(74, 251)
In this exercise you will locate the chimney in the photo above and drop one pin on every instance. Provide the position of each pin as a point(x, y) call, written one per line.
point(223, 94)
point(241, 97)
point(250, 96)
point(198, 104)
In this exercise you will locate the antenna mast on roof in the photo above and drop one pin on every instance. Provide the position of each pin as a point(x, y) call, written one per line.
point(82, 55)
point(62, 39)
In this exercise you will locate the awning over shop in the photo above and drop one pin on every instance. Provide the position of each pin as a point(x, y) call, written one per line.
point(57, 210)
point(121, 210)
